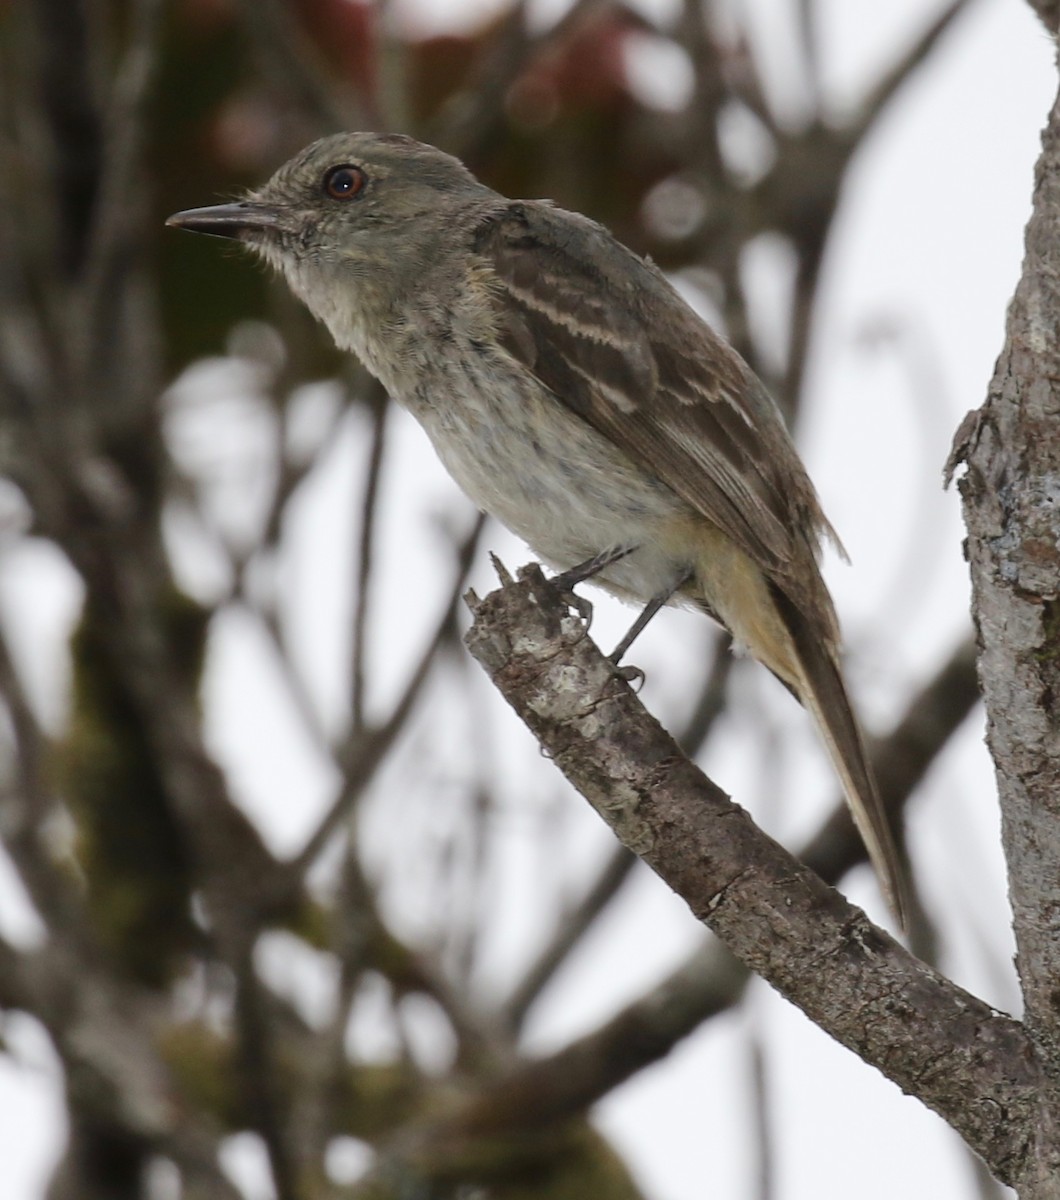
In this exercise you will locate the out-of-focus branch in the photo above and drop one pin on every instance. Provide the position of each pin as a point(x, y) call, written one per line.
point(570, 929)
point(763, 1132)
point(105, 1031)
point(547, 1090)
point(363, 565)
point(125, 577)
point(362, 755)
point(804, 187)
point(473, 117)
point(265, 1100)
point(25, 805)
point(293, 68)
point(74, 131)
point(798, 195)
point(710, 703)
point(894, 78)
point(113, 237)
point(809, 35)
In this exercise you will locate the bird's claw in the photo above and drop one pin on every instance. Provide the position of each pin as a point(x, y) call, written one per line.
point(583, 607)
point(634, 676)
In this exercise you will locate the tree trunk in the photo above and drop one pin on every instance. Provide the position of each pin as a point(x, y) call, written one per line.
point(1011, 497)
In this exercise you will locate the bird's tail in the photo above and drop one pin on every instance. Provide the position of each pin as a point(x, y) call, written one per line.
point(822, 692)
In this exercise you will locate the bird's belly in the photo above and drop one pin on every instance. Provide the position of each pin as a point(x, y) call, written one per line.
point(553, 480)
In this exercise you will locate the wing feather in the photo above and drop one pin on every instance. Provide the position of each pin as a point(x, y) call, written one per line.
point(609, 336)
point(612, 340)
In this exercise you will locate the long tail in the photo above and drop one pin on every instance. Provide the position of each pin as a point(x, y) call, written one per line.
point(822, 692)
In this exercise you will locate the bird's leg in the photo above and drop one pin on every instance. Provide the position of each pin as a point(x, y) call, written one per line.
point(592, 566)
point(565, 581)
point(646, 614)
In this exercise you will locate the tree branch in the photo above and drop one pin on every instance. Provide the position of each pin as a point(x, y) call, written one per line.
point(933, 1039)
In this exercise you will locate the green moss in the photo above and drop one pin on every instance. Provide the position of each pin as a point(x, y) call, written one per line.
point(138, 872)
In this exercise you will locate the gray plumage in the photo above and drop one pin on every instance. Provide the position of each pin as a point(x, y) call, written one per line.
point(575, 396)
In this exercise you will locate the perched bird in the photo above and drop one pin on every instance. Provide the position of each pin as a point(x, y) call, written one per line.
point(576, 397)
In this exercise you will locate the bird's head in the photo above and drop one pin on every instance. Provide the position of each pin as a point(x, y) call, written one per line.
point(361, 209)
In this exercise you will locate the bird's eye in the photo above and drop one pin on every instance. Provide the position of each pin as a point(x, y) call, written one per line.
point(345, 182)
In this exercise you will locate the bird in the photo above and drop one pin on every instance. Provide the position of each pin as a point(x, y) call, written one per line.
point(575, 396)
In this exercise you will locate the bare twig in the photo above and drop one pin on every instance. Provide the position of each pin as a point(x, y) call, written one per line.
point(362, 755)
point(887, 87)
point(765, 1149)
point(473, 118)
point(363, 568)
point(710, 703)
point(810, 46)
point(293, 68)
point(125, 133)
point(570, 929)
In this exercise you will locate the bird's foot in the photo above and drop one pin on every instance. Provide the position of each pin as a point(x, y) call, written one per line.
point(583, 607)
point(634, 676)
point(566, 581)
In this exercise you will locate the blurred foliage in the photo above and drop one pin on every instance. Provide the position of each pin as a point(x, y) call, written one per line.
point(570, 126)
point(138, 870)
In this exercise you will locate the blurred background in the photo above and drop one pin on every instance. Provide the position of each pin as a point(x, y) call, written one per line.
point(290, 905)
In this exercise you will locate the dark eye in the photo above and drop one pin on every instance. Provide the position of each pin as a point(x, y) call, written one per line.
point(345, 182)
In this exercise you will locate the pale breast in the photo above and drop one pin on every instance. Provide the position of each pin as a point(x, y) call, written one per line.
point(544, 473)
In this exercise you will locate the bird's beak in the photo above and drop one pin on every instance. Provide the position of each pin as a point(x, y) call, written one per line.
point(229, 220)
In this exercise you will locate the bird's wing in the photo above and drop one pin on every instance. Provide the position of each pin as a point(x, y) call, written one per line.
point(611, 339)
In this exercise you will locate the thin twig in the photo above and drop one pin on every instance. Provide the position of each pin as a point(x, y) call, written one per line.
point(362, 755)
point(124, 139)
point(710, 703)
point(765, 1142)
point(297, 687)
point(810, 47)
point(569, 932)
point(470, 121)
point(293, 68)
point(890, 83)
point(26, 810)
point(363, 567)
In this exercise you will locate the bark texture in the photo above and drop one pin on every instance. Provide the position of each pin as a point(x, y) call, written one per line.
point(1011, 494)
point(966, 1061)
